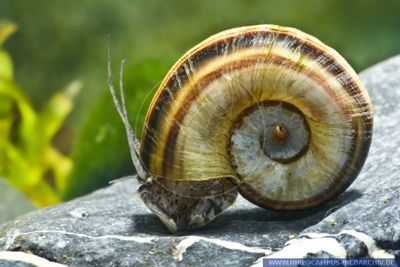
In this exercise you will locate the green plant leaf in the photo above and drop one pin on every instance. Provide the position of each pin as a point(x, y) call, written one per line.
point(7, 28)
point(55, 111)
point(6, 66)
point(28, 159)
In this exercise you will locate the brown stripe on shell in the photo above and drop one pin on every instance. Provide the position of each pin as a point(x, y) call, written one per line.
point(203, 53)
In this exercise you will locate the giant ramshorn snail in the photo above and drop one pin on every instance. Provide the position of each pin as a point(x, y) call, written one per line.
point(265, 110)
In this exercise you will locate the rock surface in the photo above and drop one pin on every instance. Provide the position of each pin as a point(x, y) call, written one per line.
point(111, 227)
point(13, 203)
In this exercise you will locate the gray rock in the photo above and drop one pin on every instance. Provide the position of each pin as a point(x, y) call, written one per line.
point(112, 227)
point(5, 263)
point(13, 203)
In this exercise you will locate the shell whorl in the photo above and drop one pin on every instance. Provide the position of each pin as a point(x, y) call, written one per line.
point(218, 110)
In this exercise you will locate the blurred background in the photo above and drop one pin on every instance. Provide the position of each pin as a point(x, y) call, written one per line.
point(60, 136)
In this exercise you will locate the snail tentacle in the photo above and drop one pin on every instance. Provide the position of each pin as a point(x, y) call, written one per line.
point(134, 144)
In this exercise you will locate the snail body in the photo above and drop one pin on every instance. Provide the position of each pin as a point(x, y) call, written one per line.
point(266, 110)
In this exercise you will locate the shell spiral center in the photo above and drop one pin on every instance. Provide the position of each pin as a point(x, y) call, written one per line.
point(284, 135)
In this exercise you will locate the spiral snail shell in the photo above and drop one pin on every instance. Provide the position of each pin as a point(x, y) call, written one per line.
point(265, 110)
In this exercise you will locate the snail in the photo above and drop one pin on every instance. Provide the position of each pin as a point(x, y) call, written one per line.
point(266, 111)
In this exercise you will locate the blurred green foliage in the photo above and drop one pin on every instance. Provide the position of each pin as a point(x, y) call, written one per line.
point(27, 158)
point(61, 40)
